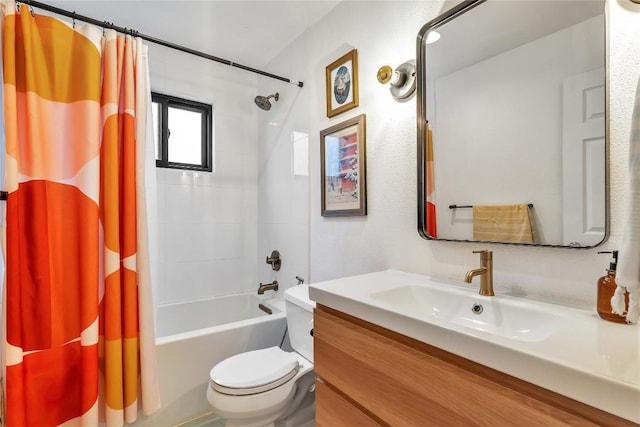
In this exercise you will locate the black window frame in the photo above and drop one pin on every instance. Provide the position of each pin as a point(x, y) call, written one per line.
point(206, 128)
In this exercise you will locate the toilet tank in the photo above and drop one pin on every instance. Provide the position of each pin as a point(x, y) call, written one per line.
point(300, 319)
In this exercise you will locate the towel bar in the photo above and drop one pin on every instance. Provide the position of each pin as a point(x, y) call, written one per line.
point(470, 206)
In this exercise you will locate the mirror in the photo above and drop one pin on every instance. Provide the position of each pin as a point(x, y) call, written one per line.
point(512, 141)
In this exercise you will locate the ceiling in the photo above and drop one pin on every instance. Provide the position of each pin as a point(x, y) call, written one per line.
point(250, 33)
point(498, 26)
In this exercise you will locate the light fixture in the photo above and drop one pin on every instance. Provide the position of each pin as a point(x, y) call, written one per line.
point(402, 80)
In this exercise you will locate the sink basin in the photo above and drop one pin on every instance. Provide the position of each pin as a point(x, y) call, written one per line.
point(494, 315)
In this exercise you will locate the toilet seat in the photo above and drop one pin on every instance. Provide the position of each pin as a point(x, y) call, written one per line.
point(254, 372)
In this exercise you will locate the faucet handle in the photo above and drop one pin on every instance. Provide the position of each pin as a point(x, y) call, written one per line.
point(484, 254)
point(274, 260)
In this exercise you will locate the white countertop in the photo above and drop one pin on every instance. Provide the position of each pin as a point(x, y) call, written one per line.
point(587, 359)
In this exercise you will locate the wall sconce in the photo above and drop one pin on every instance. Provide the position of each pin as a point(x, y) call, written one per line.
point(402, 80)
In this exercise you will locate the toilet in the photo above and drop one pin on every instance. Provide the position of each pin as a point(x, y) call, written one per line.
point(271, 386)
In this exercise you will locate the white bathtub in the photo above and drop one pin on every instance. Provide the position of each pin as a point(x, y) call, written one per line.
point(192, 337)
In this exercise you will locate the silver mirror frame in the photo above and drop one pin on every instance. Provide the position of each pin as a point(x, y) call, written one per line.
point(422, 123)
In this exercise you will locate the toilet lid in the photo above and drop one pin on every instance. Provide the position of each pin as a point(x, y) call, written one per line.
point(254, 371)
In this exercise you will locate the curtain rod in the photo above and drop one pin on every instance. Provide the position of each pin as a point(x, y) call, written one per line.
point(105, 24)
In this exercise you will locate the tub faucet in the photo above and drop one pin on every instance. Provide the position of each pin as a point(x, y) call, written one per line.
point(268, 287)
point(485, 272)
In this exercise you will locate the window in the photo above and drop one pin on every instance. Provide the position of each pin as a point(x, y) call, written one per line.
point(183, 136)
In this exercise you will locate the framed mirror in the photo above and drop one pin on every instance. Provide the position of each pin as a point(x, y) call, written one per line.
point(512, 135)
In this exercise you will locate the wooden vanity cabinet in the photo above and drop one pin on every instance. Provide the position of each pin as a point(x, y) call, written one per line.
point(371, 376)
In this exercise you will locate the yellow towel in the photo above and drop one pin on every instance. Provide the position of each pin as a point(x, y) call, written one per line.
point(502, 223)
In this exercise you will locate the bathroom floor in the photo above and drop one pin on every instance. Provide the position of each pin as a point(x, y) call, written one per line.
point(212, 420)
point(206, 420)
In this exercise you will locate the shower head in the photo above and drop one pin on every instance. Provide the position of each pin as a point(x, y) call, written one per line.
point(263, 102)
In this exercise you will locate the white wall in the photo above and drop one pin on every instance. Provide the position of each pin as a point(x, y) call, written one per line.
point(385, 33)
point(208, 221)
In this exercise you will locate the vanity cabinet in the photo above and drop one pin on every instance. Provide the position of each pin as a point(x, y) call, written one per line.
point(371, 376)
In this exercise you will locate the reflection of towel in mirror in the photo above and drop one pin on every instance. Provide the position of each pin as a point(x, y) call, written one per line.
point(502, 223)
point(628, 271)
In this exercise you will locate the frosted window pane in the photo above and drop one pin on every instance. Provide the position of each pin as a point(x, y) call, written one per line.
point(156, 129)
point(185, 136)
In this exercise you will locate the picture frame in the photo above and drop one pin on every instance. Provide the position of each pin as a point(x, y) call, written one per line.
point(343, 168)
point(342, 83)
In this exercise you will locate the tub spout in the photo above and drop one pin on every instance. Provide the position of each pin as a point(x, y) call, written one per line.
point(268, 287)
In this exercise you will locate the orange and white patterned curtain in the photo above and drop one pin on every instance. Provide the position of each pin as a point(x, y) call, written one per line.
point(77, 292)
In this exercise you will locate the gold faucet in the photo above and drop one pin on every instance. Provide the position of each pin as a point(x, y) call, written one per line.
point(268, 287)
point(485, 271)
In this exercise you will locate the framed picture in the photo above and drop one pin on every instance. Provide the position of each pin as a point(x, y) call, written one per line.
point(342, 84)
point(343, 169)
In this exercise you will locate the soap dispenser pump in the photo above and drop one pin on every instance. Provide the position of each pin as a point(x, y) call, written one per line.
point(606, 288)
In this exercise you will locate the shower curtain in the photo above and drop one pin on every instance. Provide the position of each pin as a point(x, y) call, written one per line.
point(79, 343)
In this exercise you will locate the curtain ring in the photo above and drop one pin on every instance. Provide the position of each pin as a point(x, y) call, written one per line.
point(31, 11)
point(104, 29)
point(18, 4)
point(73, 18)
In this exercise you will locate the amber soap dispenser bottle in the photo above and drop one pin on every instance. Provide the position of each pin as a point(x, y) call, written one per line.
point(606, 288)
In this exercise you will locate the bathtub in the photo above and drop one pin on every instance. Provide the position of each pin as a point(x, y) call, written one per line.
point(191, 337)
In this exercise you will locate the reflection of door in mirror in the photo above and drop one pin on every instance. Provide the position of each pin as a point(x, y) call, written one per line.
point(583, 159)
point(514, 93)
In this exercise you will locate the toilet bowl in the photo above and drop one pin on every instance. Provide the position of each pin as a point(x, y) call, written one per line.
point(270, 386)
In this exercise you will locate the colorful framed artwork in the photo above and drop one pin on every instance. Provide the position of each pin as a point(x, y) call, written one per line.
point(342, 84)
point(343, 168)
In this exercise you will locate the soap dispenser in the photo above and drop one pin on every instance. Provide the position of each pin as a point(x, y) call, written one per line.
point(606, 288)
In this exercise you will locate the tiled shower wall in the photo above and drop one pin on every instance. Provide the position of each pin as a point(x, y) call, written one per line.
point(207, 222)
point(283, 165)
point(216, 229)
